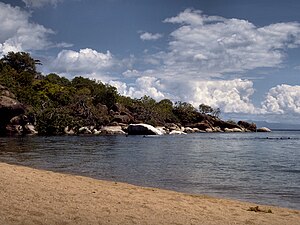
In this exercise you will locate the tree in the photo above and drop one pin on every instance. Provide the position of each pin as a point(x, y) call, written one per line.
point(185, 112)
point(205, 109)
point(21, 62)
point(208, 110)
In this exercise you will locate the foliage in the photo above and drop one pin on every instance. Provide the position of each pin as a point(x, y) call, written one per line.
point(57, 102)
point(185, 112)
point(208, 110)
point(21, 62)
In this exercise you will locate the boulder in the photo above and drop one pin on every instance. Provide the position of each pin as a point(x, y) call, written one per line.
point(112, 130)
point(176, 132)
point(126, 119)
point(12, 130)
point(202, 125)
point(189, 130)
point(162, 129)
point(196, 130)
point(30, 129)
point(10, 107)
point(263, 129)
point(11, 110)
point(233, 130)
point(84, 130)
point(96, 132)
point(247, 126)
point(173, 126)
point(69, 131)
point(223, 124)
point(143, 129)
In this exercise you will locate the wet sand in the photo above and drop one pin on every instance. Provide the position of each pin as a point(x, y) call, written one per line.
point(31, 196)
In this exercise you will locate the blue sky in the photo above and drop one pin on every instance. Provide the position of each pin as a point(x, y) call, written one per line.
point(240, 56)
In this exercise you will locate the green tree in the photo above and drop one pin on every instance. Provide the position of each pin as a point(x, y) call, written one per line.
point(205, 109)
point(21, 62)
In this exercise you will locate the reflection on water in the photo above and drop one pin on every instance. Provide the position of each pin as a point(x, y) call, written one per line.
point(258, 167)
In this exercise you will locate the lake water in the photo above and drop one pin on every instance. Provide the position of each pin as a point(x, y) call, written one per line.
point(257, 167)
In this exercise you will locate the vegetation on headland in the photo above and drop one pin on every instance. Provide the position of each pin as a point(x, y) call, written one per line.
point(51, 103)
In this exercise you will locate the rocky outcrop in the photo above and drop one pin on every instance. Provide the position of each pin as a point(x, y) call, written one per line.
point(9, 108)
point(112, 130)
point(233, 130)
point(247, 126)
point(201, 125)
point(176, 132)
point(12, 120)
point(143, 129)
point(263, 129)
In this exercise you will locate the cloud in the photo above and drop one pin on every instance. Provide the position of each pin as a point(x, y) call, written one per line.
point(17, 33)
point(229, 95)
point(40, 3)
point(85, 62)
point(150, 37)
point(149, 86)
point(283, 99)
point(203, 47)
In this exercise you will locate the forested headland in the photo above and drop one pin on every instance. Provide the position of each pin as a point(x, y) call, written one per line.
point(53, 105)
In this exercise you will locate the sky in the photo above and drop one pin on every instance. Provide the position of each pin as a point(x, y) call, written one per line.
point(240, 56)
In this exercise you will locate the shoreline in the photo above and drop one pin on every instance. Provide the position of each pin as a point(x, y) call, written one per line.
point(34, 196)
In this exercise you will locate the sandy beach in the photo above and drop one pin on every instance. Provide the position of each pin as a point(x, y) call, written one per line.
point(31, 196)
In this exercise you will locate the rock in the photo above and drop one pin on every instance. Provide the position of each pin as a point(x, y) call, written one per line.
point(11, 111)
point(217, 129)
point(112, 130)
point(173, 126)
point(247, 126)
point(84, 130)
point(196, 130)
point(12, 130)
point(143, 129)
point(202, 125)
point(233, 130)
point(5, 92)
point(30, 129)
point(162, 129)
point(177, 132)
point(263, 129)
point(69, 131)
point(10, 107)
point(126, 119)
point(96, 132)
point(209, 130)
point(223, 124)
point(189, 130)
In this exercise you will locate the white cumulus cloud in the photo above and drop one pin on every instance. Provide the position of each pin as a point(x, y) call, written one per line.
point(203, 46)
point(145, 85)
point(150, 37)
point(18, 33)
point(86, 62)
point(283, 99)
point(40, 3)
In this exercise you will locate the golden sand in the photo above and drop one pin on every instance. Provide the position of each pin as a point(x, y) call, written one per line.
point(31, 196)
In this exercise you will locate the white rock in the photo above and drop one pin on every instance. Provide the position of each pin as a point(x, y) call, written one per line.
point(84, 130)
point(263, 129)
point(176, 132)
point(233, 130)
point(143, 129)
point(113, 130)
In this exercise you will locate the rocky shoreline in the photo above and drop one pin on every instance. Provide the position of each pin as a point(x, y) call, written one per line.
point(16, 121)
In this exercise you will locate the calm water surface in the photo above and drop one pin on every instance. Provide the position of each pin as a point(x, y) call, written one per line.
point(258, 167)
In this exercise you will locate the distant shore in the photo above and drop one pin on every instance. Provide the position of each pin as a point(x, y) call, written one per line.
point(31, 196)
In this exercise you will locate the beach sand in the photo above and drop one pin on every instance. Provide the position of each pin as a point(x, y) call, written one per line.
point(31, 196)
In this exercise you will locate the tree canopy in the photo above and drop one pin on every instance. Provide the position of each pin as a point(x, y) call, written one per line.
point(57, 102)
